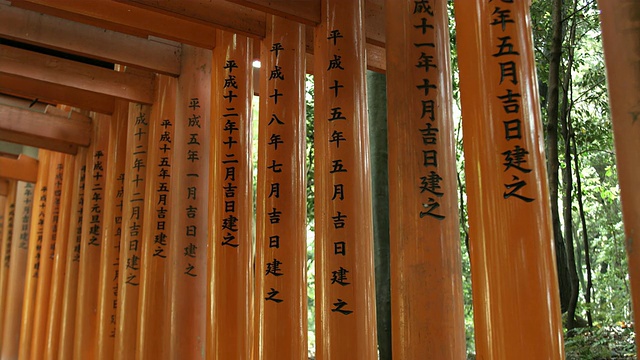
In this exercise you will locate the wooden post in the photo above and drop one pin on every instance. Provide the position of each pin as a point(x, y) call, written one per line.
point(47, 253)
point(515, 291)
point(281, 286)
point(54, 313)
point(112, 234)
point(3, 204)
point(71, 268)
point(86, 327)
point(424, 226)
point(187, 244)
point(621, 40)
point(5, 248)
point(33, 257)
point(17, 266)
point(153, 334)
point(132, 225)
point(230, 292)
point(345, 286)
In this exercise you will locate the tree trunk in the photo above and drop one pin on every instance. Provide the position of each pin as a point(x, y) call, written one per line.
point(565, 120)
point(553, 163)
point(377, 99)
point(585, 237)
point(568, 228)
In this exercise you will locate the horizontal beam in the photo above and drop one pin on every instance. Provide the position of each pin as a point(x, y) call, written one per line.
point(23, 168)
point(55, 93)
point(302, 11)
point(90, 41)
point(132, 20)
point(46, 131)
point(69, 73)
point(218, 13)
point(248, 17)
point(194, 22)
point(24, 103)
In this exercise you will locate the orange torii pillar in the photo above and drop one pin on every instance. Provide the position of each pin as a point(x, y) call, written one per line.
point(426, 286)
point(112, 231)
point(63, 347)
point(281, 286)
point(187, 244)
point(17, 270)
point(621, 40)
point(33, 258)
point(47, 253)
point(4, 192)
point(154, 296)
point(86, 326)
point(512, 255)
point(53, 311)
point(345, 286)
point(230, 282)
point(5, 248)
point(132, 225)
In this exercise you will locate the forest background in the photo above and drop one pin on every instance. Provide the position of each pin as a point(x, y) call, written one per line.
point(585, 203)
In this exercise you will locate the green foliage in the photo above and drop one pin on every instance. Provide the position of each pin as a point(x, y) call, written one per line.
point(310, 154)
point(610, 342)
point(310, 150)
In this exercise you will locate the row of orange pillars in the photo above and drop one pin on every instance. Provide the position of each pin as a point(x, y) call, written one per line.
point(142, 246)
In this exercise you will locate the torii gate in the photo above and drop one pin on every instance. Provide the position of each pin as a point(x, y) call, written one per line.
point(147, 246)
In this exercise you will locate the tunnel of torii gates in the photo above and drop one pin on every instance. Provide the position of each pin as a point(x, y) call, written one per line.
point(131, 236)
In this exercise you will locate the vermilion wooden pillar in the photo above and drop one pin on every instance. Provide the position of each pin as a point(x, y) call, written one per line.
point(86, 327)
point(69, 298)
point(621, 40)
point(53, 312)
point(345, 287)
point(281, 287)
point(426, 285)
point(34, 253)
point(3, 204)
point(64, 346)
point(515, 291)
point(112, 234)
point(17, 266)
point(153, 334)
point(187, 244)
point(5, 248)
point(132, 225)
point(47, 253)
point(230, 301)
